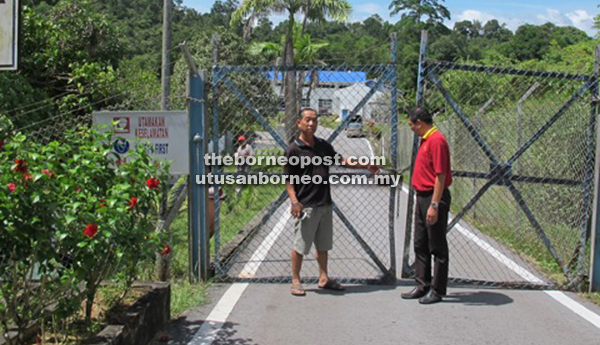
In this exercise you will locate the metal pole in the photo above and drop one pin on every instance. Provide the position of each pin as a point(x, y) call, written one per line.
point(215, 118)
point(595, 250)
point(393, 70)
point(166, 56)
point(199, 192)
point(406, 270)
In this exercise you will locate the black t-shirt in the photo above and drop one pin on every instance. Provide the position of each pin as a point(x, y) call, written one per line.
point(311, 194)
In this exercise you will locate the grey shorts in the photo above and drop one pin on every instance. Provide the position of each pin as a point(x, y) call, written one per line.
point(316, 227)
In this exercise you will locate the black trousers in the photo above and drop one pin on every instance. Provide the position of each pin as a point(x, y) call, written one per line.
point(431, 240)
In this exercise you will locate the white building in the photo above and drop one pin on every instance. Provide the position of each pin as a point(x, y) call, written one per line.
point(339, 92)
point(349, 97)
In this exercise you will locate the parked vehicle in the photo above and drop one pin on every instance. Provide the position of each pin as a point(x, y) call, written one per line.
point(354, 128)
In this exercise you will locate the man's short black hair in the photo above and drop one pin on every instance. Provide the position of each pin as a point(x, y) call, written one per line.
point(301, 112)
point(421, 114)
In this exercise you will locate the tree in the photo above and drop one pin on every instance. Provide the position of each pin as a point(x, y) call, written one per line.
point(374, 26)
point(313, 10)
point(493, 30)
point(597, 24)
point(69, 57)
point(305, 53)
point(468, 29)
point(432, 9)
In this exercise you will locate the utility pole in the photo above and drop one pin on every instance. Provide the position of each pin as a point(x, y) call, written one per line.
point(162, 264)
point(166, 57)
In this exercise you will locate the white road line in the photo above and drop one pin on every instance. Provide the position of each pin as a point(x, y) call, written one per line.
point(576, 307)
point(259, 255)
point(218, 316)
point(212, 325)
point(513, 266)
point(559, 296)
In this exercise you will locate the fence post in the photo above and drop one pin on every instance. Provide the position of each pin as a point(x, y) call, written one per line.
point(406, 270)
point(393, 69)
point(595, 241)
point(216, 76)
point(198, 192)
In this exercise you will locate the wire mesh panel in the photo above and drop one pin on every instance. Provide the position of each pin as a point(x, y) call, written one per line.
point(522, 150)
point(253, 224)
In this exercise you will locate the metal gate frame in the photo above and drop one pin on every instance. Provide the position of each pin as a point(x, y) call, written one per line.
point(500, 172)
point(220, 76)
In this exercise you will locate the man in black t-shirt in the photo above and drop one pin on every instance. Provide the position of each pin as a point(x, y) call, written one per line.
point(311, 202)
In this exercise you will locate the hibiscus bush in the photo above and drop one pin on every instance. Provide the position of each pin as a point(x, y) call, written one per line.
point(73, 214)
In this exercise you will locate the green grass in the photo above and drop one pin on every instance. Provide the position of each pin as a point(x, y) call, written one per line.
point(185, 296)
point(594, 297)
point(495, 215)
point(236, 212)
point(239, 208)
point(329, 121)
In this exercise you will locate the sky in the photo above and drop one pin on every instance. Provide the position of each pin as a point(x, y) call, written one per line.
point(577, 13)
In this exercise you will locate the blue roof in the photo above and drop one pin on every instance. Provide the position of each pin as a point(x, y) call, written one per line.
point(332, 77)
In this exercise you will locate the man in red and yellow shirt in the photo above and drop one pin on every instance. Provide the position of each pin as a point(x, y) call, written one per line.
point(431, 178)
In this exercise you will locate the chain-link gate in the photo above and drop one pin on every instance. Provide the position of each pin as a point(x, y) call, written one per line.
point(522, 151)
point(253, 224)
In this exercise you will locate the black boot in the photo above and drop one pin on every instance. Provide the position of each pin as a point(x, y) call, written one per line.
point(414, 293)
point(430, 298)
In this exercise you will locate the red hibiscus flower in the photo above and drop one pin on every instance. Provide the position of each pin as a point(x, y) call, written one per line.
point(26, 177)
point(102, 202)
point(48, 172)
point(11, 187)
point(166, 250)
point(90, 230)
point(21, 166)
point(153, 183)
point(132, 202)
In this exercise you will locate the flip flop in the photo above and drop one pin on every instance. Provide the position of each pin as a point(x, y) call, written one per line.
point(298, 290)
point(332, 284)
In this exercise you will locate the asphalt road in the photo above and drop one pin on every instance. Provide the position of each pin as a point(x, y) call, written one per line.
point(243, 313)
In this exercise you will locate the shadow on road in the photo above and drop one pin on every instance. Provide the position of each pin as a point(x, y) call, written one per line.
point(479, 298)
point(182, 332)
point(227, 336)
point(352, 289)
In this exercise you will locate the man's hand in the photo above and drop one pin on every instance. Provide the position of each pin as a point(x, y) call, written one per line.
point(373, 169)
point(297, 208)
point(432, 216)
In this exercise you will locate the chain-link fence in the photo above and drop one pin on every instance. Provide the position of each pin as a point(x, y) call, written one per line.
point(522, 150)
point(253, 225)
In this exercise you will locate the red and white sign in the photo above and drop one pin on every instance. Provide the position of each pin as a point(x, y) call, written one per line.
point(122, 125)
point(167, 133)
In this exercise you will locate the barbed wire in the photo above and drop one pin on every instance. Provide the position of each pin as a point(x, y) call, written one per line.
point(20, 115)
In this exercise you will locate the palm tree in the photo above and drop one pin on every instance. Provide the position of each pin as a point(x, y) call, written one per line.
point(305, 53)
point(313, 10)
